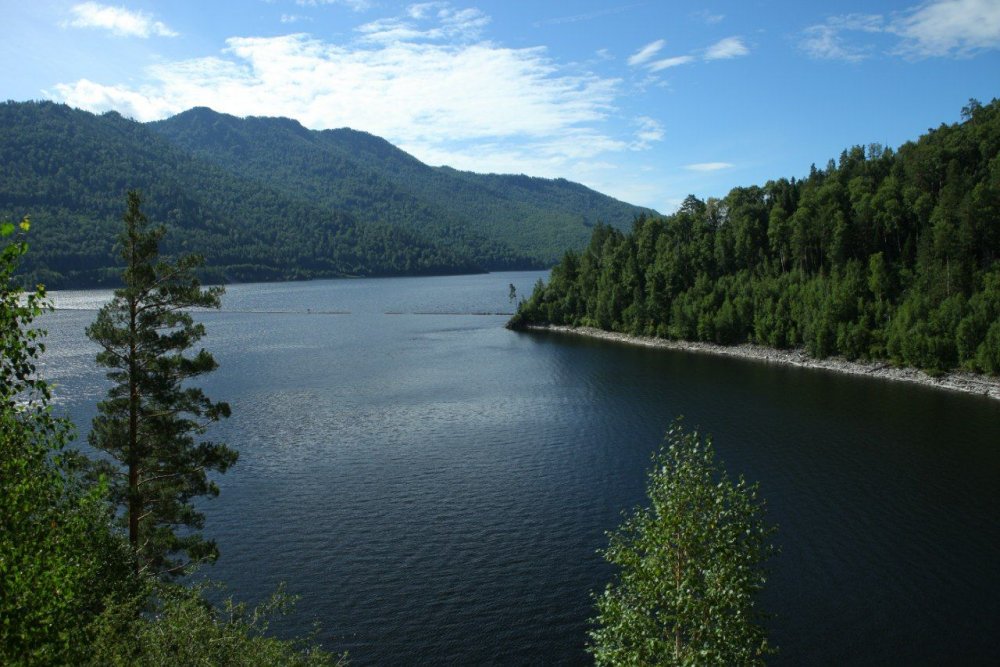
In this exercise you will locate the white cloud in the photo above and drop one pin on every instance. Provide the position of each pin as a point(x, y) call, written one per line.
point(464, 24)
point(708, 166)
point(708, 17)
point(118, 20)
point(589, 16)
point(949, 28)
point(646, 53)
point(730, 47)
point(650, 130)
point(939, 28)
point(659, 65)
point(428, 89)
point(824, 42)
point(292, 18)
point(421, 10)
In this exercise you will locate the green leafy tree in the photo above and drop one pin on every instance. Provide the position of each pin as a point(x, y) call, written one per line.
point(59, 559)
point(689, 567)
point(187, 630)
point(151, 421)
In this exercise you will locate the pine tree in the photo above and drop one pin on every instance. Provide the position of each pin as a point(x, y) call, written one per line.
point(150, 423)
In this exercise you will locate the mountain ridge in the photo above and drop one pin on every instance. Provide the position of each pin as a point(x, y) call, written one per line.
point(266, 198)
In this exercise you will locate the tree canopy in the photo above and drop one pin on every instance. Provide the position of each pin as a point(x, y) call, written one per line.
point(689, 567)
point(881, 255)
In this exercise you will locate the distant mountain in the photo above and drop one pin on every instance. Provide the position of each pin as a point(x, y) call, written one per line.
point(266, 199)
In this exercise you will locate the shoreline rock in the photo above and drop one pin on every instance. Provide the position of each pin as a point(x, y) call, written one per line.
point(969, 383)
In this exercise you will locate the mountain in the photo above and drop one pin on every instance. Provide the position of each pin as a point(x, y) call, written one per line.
point(267, 199)
point(372, 180)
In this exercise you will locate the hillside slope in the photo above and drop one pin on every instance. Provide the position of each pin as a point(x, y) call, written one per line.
point(267, 199)
point(69, 171)
point(372, 180)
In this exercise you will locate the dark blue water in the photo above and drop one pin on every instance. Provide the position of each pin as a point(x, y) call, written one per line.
point(435, 487)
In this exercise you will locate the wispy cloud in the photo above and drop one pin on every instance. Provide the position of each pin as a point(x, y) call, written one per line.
point(948, 28)
point(117, 20)
point(825, 42)
point(710, 18)
point(659, 65)
point(709, 166)
point(427, 21)
point(650, 130)
point(646, 53)
point(589, 16)
point(939, 28)
point(293, 18)
point(730, 47)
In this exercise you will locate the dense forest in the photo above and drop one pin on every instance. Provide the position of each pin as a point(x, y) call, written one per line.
point(266, 199)
point(500, 219)
point(883, 254)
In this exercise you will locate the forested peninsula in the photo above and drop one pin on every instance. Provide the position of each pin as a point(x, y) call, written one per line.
point(889, 255)
point(268, 199)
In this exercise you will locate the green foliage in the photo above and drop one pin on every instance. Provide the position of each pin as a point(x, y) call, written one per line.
point(689, 567)
point(59, 561)
point(266, 199)
point(172, 625)
point(149, 423)
point(886, 255)
point(68, 589)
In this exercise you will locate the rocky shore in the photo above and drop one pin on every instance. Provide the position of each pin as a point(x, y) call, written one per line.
point(957, 381)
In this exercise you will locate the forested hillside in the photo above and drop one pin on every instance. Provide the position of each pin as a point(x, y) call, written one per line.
point(266, 199)
point(881, 255)
point(497, 218)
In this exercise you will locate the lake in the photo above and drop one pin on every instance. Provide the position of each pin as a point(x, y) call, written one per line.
point(435, 487)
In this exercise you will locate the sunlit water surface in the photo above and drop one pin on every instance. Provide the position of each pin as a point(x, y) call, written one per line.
point(435, 487)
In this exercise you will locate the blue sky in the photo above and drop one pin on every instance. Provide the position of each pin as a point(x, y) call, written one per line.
point(646, 101)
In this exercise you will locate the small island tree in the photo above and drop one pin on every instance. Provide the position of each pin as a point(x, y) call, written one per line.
point(151, 420)
point(689, 567)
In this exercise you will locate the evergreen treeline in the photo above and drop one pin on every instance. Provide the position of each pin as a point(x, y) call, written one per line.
point(266, 199)
point(883, 255)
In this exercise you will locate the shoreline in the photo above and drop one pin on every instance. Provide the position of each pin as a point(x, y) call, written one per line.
point(969, 383)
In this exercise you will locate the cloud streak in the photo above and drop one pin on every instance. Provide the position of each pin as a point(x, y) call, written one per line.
point(646, 53)
point(117, 20)
point(730, 47)
point(709, 166)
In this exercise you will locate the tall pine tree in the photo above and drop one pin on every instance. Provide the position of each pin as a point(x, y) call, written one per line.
point(152, 419)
